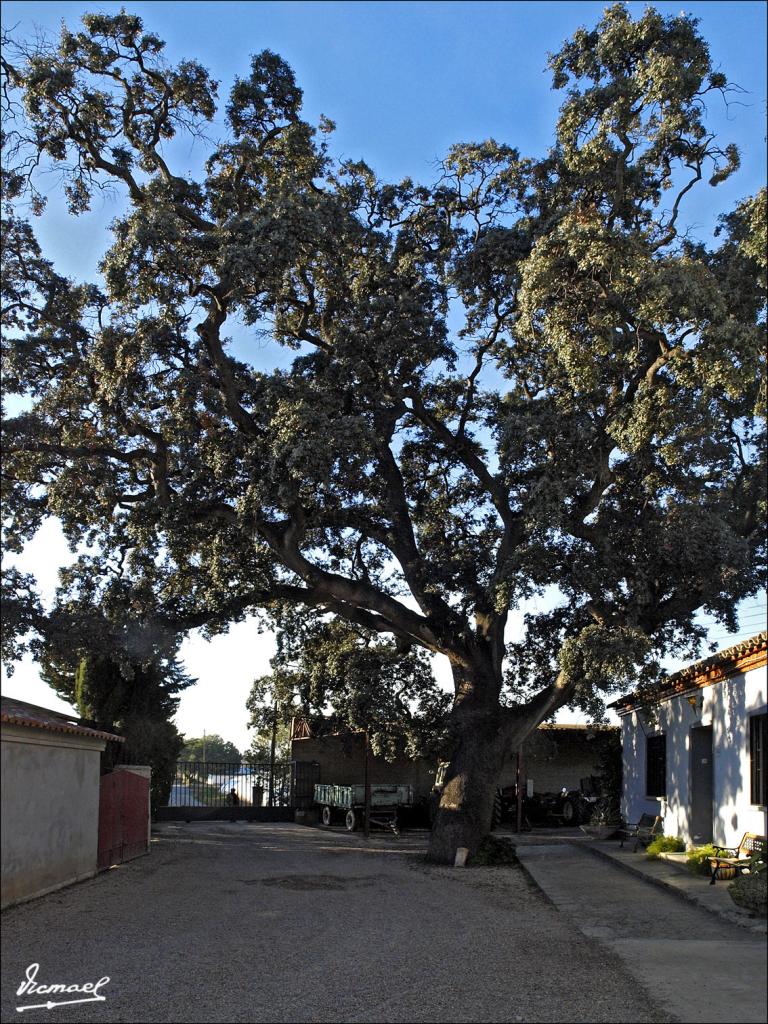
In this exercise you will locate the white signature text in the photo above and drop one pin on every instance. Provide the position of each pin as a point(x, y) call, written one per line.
point(30, 987)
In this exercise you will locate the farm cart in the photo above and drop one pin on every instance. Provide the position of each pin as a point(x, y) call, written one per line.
point(348, 803)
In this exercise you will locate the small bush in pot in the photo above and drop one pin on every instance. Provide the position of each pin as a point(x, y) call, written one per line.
point(604, 821)
point(698, 858)
point(664, 844)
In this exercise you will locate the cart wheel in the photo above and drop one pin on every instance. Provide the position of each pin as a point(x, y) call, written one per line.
point(326, 816)
point(569, 812)
point(351, 821)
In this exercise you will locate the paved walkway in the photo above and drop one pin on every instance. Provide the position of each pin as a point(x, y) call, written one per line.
point(279, 923)
point(678, 879)
point(700, 967)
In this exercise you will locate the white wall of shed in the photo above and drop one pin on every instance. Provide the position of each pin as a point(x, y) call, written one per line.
point(50, 810)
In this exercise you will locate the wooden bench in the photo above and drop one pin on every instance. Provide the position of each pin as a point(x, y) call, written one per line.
point(642, 831)
point(740, 858)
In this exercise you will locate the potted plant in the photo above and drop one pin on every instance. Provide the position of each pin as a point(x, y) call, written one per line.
point(605, 820)
point(698, 861)
point(664, 844)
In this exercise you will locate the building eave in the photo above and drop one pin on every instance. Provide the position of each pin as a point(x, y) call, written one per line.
point(720, 667)
point(32, 716)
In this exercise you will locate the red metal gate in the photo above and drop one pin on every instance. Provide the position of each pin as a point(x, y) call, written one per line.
point(123, 818)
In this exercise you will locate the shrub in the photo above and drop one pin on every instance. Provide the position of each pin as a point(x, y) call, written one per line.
point(751, 892)
point(698, 862)
point(607, 810)
point(494, 852)
point(757, 862)
point(664, 844)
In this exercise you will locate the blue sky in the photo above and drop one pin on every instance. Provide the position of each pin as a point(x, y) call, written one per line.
point(402, 81)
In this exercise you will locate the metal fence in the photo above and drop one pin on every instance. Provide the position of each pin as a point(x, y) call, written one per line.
point(225, 784)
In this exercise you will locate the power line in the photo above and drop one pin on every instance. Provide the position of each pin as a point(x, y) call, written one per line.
point(750, 618)
point(721, 631)
point(728, 633)
point(732, 638)
point(745, 619)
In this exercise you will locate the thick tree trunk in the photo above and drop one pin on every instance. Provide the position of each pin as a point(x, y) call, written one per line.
point(480, 741)
point(466, 803)
point(483, 733)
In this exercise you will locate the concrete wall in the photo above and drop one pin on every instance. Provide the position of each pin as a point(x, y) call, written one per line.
point(50, 810)
point(726, 707)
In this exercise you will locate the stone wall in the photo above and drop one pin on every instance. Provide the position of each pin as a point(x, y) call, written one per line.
point(559, 756)
point(553, 757)
point(342, 762)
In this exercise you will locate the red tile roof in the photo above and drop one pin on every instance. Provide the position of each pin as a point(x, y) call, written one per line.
point(19, 712)
point(733, 661)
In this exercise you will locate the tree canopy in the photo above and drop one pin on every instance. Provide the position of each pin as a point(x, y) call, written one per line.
point(115, 693)
point(340, 677)
point(521, 375)
point(210, 748)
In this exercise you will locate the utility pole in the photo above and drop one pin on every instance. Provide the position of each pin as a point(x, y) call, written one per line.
point(367, 786)
point(272, 756)
point(202, 774)
point(520, 786)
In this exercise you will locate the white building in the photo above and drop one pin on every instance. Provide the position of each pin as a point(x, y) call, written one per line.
point(694, 747)
point(50, 799)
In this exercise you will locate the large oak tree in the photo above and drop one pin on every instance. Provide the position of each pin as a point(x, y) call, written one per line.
point(525, 374)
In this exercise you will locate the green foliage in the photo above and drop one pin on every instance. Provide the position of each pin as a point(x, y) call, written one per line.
point(260, 749)
point(600, 658)
point(589, 416)
point(610, 770)
point(106, 688)
point(135, 699)
point(210, 748)
point(757, 862)
point(697, 858)
point(330, 667)
point(20, 615)
point(271, 705)
point(664, 844)
point(155, 742)
point(751, 892)
point(494, 852)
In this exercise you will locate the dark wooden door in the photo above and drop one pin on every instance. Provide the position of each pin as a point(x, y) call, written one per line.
point(701, 785)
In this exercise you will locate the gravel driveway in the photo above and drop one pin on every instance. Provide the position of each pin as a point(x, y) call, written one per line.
point(258, 922)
